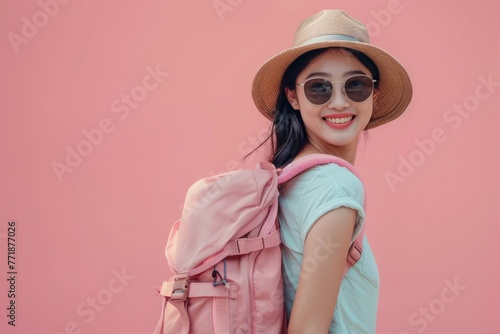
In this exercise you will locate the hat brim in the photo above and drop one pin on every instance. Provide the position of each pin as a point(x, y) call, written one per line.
point(394, 89)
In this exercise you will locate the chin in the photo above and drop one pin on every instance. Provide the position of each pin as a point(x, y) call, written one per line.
point(343, 140)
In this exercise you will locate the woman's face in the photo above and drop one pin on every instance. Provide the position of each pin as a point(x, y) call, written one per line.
point(340, 121)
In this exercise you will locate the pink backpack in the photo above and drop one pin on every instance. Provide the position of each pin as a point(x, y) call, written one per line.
point(225, 256)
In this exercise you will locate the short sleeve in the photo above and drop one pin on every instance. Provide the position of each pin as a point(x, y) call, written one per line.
point(330, 187)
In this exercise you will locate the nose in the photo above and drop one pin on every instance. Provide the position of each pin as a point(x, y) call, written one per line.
point(339, 99)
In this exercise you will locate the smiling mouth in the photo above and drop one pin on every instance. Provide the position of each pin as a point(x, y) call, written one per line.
point(339, 120)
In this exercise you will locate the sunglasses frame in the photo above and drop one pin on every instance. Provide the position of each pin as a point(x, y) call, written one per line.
point(343, 88)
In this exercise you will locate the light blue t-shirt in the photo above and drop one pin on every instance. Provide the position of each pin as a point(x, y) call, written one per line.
point(303, 200)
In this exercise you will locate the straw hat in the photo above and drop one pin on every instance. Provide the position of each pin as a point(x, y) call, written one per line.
point(334, 28)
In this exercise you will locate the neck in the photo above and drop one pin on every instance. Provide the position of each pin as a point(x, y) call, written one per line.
point(347, 152)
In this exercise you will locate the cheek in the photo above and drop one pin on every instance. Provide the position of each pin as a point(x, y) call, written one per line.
point(310, 113)
point(301, 97)
point(366, 109)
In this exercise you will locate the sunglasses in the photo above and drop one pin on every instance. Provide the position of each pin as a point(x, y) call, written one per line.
point(357, 88)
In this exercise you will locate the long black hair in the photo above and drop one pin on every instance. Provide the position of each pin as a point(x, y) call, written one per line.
point(288, 135)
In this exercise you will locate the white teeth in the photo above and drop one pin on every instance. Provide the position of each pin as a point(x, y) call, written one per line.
point(339, 120)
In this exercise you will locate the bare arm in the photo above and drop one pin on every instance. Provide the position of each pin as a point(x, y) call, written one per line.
point(325, 253)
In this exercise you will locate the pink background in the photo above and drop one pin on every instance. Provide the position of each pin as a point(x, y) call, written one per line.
point(113, 211)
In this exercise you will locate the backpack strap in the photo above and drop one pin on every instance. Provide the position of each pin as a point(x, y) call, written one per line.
point(302, 164)
point(178, 294)
point(178, 289)
point(247, 245)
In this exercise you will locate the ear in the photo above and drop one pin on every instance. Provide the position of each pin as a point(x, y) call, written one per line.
point(291, 96)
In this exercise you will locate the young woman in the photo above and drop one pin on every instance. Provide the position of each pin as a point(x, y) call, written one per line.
point(321, 94)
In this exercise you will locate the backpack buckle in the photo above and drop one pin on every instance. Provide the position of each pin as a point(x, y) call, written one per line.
point(180, 289)
point(354, 253)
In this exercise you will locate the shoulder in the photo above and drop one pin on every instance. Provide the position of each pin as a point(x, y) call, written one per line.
point(329, 178)
point(334, 173)
point(324, 184)
point(318, 190)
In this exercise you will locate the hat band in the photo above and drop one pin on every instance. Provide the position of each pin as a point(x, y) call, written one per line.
point(326, 38)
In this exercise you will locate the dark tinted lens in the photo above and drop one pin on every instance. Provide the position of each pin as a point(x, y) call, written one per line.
point(318, 91)
point(358, 88)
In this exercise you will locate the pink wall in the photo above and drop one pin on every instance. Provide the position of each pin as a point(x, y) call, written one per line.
point(84, 221)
